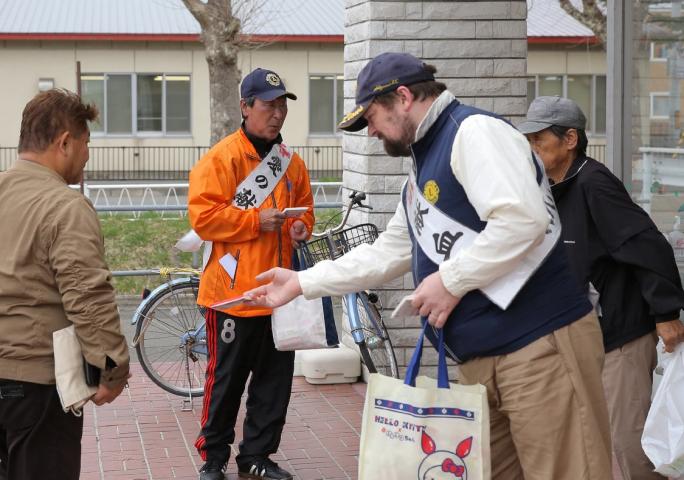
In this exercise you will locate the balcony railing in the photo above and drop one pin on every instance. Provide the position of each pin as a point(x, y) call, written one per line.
point(174, 163)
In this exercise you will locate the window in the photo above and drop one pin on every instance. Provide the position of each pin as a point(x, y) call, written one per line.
point(326, 98)
point(660, 105)
point(589, 91)
point(550, 85)
point(138, 104)
point(659, 51)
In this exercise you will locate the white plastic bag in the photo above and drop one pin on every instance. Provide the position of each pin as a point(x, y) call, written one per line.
point(304, 324)
point(190, 242)
point(663, 437)
point(69, 373)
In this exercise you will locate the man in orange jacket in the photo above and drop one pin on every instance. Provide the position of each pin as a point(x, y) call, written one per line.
point(237, 194)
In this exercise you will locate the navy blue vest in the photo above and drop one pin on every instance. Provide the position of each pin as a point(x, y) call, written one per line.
point(477, 327)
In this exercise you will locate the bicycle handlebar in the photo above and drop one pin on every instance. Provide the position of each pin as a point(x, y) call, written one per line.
point(356, 199)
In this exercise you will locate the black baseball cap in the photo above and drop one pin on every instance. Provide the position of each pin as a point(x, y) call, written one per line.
point(265, 85)
point(383, 74)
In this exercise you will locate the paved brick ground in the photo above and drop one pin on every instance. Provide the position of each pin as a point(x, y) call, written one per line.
point(145, 435)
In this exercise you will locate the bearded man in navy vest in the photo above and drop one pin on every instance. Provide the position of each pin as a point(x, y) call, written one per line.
point(478, 228)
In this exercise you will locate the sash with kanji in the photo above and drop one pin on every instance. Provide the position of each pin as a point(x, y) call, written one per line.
point(250, 193)
point(440, 236)
point(261, 181)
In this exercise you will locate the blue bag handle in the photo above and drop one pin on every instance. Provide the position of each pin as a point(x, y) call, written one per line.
point(298, 259)
point(414, 364)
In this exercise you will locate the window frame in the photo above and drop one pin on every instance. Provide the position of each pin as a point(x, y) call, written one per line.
point(652, 96)
point(134, 104)
point(336, 133)
point(652, 57)
point(591, 129)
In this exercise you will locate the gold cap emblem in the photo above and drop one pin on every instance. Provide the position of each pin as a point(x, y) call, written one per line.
point(273, 79)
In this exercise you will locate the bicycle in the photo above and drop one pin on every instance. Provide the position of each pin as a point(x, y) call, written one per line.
point(365, 320)
point(171, 339)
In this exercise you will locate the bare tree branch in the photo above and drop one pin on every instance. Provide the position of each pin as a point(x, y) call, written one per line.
point(591, 16)
point(198, 10)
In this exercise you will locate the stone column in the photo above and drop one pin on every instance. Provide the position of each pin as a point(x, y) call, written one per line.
point(480, 51)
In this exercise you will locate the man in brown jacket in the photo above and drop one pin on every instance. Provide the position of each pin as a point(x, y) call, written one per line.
point(52, 275)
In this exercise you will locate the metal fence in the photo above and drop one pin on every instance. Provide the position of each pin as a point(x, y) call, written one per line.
point(174, 163)
point(597, 152)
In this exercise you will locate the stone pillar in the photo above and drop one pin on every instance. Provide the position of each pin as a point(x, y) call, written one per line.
point(480, 51)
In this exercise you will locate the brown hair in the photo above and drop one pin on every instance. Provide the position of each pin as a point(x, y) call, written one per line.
point(51, 113)
point(420, 90)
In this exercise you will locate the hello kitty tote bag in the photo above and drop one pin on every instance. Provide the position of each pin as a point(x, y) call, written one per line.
point(424, 429)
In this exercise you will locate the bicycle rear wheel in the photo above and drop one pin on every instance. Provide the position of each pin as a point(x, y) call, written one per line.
point(376, 349)
point(171, 338)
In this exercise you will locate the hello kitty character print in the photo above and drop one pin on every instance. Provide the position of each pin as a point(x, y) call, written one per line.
point(443, 464)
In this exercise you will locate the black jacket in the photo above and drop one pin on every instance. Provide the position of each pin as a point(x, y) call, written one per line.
point(613, 243)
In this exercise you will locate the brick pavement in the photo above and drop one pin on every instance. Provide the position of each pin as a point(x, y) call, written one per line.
point(145, 435)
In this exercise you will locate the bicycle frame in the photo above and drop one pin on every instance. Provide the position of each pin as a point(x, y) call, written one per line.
point(355, 326)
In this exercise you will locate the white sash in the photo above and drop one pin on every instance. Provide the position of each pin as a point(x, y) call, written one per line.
point(250, 193)
point(439, 236)
point(261, 181)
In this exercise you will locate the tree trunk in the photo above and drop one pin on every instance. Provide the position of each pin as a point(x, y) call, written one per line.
point(221, 39)
point(224, 82)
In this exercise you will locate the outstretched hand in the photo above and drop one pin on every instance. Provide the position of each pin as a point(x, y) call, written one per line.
point(434, 301)
point(283, 286)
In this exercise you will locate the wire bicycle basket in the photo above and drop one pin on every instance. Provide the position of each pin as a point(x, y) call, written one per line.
point(335, 245)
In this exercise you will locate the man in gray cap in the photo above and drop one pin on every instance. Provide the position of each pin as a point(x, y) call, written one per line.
point(616, 250)
point(534, 343)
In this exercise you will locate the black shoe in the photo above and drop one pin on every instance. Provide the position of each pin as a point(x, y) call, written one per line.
point(212, 470)
point(263, 468)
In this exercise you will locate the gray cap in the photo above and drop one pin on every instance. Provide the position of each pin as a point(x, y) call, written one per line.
point(547, 111)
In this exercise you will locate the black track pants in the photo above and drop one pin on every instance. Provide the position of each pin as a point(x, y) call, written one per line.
point(239, 346)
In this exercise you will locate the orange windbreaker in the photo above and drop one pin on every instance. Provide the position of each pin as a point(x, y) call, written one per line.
point(213, 181)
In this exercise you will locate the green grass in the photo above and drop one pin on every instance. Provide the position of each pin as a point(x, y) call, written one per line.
point(147, 242)
point(143, 243)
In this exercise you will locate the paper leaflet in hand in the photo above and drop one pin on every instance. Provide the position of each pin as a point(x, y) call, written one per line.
point(230, 302)
point(405, 308)
point(293, 212)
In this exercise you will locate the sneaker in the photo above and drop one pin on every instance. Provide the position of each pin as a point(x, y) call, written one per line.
point(212, 470)
point(263, 468)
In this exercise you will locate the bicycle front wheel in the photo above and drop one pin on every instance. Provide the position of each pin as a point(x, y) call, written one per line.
point(171, 338)
point(376, 349)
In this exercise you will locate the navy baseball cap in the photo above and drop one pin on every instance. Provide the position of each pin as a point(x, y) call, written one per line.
point(265, 85)
point(384, 74)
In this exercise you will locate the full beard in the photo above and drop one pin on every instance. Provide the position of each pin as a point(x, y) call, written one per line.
point(402, 146)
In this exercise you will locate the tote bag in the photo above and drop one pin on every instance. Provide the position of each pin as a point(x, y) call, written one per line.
point(304, 324)
point(424, 429)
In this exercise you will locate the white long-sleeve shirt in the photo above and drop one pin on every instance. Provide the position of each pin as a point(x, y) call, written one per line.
point(493, 163)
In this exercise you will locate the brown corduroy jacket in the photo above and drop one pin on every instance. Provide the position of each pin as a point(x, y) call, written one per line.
point(53, 274)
